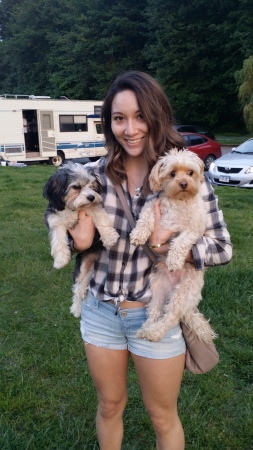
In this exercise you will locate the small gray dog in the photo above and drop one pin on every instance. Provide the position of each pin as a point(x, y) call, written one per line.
point(71, 189)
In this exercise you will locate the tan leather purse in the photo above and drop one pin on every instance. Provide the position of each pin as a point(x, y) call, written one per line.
point(200, 357)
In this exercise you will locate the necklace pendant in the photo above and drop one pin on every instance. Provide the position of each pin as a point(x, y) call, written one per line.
point(138, 190)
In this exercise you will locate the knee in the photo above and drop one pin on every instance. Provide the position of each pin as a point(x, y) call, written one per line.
point(164, 422)
point(112, 408)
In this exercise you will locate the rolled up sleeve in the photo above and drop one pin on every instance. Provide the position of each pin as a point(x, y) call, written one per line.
point(215, 247)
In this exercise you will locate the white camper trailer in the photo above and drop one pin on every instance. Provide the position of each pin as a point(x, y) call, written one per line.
point(42, 129)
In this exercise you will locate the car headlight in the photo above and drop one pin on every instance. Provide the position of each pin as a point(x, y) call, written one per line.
point(249, 170)
point(212, 166)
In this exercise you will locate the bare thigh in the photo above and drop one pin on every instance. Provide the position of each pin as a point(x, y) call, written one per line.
point(109, 372)
point(160, 382)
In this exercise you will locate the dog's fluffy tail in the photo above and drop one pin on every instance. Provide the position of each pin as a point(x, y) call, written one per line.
point(200, 326)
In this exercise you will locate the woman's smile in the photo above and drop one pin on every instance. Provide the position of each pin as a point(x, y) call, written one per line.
point(133, 141)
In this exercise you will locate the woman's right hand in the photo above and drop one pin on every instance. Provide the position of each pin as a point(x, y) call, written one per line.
point(159, 235)
point(83, 232)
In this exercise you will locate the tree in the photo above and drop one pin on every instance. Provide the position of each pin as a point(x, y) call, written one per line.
point(113, 40)
point(70, 48)
point(25, 45)
point(193, 47)
point(192, 50)
point(244, 77)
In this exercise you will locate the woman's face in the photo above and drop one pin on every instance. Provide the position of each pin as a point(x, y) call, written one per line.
point(127, 123)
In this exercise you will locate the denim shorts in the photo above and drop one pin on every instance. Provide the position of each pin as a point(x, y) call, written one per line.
point(101, 327)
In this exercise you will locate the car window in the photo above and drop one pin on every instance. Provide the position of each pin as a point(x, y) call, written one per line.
point(195, 140)
point(186, 139)
point(246, 147)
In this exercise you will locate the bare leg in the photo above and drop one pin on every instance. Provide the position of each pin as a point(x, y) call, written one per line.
point(160, 381)
point(109, 372)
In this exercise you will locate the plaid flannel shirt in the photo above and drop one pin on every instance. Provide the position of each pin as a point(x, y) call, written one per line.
point(124, 270)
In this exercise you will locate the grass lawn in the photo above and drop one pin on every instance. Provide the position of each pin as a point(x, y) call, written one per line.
point(47, 400)
point(231, 139)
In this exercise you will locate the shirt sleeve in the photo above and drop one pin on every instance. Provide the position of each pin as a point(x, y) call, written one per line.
point(215, 247)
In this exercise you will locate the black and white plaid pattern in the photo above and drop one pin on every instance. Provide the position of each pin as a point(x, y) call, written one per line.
point(124, 270)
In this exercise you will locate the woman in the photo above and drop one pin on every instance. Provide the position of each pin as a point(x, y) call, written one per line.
point(138, 127)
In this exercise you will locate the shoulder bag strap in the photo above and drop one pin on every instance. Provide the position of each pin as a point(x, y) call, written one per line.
point(131, 220)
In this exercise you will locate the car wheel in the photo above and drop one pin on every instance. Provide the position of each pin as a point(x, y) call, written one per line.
point(209, 159)
point(58, 159)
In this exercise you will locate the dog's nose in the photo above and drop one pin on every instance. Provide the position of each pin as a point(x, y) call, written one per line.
point(183, 184)
point(91, 198)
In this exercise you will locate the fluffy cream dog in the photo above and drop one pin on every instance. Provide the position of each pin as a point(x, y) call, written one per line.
point(176, 285)
point(71, 189)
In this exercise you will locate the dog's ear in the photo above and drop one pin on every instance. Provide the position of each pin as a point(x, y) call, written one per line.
point(55, 189)
point(96, 186)
point(202, 176)
point(201, 169)
point(155, 178)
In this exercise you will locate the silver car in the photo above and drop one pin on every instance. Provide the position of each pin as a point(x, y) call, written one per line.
point(234, 168)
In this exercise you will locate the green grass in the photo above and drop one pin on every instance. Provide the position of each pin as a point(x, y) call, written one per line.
point(47, 400)
point(231, 139)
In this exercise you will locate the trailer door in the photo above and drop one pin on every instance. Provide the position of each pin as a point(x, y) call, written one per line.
point(46, 133)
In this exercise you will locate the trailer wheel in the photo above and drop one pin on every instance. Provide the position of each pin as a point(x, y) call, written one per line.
point(57, 160)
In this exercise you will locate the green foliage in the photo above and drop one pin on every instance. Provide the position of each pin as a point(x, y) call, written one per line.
point(47, 399)
point(76, 49)
point(191, 54)
point(73, 49)
point(244, 78)
point(113, 41)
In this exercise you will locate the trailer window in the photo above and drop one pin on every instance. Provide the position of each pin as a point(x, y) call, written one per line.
point(46, 122)
point(97, 110)
point(73, 123)
point(99, 128)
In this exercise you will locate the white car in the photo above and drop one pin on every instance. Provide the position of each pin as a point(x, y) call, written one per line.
point(234, 168)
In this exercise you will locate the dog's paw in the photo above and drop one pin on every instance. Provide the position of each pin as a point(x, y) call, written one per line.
point(136, 238)
point(61, 262)
point(141, 334)
point(75, 309)
point(152, 334)
point(136, 242)
point(110, 238)
point(151, 331)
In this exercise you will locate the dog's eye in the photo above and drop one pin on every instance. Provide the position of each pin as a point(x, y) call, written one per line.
point(190, 173)
point(95, 187)
point(173, 173)
point(76, 187)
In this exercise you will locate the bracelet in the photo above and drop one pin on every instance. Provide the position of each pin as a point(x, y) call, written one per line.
point(158, 245)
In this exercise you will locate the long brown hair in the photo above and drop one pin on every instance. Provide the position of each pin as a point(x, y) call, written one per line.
point(156, 111)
